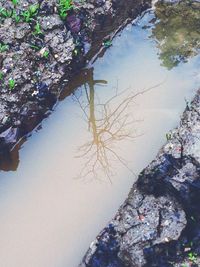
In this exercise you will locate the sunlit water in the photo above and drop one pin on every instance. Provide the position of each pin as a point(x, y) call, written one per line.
point(59, 198)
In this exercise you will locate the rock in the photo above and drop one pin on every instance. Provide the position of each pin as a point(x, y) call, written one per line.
point(74, 23)
point(62, 45)
point(7, 32)
point(10, 136)
point(159, 223)
point(69, 44)
point(51, 22)
point(22, 30)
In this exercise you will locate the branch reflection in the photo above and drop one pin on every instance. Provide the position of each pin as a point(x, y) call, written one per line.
point(109, 123)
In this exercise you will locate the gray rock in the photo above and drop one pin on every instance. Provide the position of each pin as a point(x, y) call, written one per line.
point(154, 214)
point(50, 53)
point(50, 22)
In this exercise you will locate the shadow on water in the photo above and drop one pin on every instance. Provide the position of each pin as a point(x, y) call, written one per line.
point(177, 39)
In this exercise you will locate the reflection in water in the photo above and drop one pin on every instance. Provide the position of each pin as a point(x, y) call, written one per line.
point(47, 218)
point(177, 40)
point(109, 123)
point(177, 31)
point(107, 126)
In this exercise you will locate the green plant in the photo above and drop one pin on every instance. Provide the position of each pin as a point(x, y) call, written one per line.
point(35, 47)
point(3, 47)
point(46, 54)
point(11, 84)
point(192, 257)
point(1, 76)
point(37, 29)
point(5, 13)
point(107, 43)
point(26, 15)
point(16, 17)
point(15, 2)
point(30, 13)
point(75, 52)
point(64, 7)
point(33, 9)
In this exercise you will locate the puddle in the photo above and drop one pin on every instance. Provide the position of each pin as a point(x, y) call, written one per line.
point(70, 177)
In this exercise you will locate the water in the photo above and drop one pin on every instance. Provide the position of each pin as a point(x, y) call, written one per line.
point(72, 175)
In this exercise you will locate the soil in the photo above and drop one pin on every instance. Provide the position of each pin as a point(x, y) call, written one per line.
point(38, 56)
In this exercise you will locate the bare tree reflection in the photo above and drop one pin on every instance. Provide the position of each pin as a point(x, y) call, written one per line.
point(109, 123)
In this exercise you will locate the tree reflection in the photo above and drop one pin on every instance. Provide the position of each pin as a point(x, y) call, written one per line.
point(177, 31)
point(109, 123)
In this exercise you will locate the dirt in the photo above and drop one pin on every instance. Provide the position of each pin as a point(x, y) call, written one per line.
point(39, 56)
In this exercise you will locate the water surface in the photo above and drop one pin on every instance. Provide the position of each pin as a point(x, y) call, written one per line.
point(75, 172)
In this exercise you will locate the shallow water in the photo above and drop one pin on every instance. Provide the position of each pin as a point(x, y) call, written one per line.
point(75, 172)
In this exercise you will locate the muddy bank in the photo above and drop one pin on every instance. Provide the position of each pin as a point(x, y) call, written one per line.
point(159, 223)
point(41, 48)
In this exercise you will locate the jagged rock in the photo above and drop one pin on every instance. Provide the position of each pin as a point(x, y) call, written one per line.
point(53, 52)
point(159, 223)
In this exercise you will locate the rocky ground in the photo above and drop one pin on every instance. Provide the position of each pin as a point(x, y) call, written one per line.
point(41, 48)
point(159, 223)
point(42, 45)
